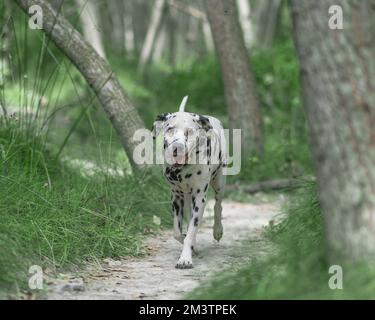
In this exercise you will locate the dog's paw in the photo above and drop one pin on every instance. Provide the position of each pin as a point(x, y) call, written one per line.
point(180, 237)
point(184, 263)
point(218, 231)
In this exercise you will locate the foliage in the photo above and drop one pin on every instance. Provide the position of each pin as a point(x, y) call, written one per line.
point(51, 213)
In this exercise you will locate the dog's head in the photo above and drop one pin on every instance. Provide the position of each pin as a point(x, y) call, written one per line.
point(182, 133)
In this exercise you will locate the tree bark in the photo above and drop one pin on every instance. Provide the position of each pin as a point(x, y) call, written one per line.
point(338, 81)
point(90, 25)
point(243, 106)
point(154, 26)
point(96, 71)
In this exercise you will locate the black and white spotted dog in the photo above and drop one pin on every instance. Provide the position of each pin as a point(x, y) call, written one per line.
point(194, 149)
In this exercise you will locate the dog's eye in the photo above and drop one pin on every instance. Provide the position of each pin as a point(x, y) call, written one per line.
point(171, 130)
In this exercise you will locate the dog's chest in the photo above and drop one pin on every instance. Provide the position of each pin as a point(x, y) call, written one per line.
point(187, 178)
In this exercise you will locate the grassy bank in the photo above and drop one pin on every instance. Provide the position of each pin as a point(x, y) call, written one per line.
point(52, 215)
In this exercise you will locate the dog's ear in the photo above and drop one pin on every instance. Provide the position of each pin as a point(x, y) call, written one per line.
point(158, 124)
point(204, 122)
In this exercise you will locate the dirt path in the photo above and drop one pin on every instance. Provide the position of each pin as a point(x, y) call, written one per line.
point(154, 276)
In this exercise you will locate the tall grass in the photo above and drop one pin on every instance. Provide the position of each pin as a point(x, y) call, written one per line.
point(51, 213)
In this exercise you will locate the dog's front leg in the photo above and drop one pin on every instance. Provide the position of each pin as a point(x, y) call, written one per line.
point(178, 211)
point(198, 206)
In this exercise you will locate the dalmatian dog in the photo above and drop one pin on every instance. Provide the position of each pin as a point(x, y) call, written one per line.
point(194, 156)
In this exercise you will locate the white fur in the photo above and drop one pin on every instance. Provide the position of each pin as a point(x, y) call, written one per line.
point(183, 104)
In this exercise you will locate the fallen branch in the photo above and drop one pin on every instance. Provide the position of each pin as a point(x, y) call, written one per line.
point(269, 185)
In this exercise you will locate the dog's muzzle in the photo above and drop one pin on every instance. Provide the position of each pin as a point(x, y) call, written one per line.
point(176, 154)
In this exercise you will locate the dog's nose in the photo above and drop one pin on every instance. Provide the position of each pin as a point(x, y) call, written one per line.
point(178, 149)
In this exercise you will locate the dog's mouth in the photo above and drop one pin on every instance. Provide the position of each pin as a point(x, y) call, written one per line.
point(179, 163)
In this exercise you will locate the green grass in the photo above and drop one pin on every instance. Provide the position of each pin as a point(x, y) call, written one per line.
point(298, 269)
point(52, 215)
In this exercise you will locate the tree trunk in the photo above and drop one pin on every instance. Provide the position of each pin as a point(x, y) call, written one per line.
point(245, 20)
point(96, 71)
point(269, 13)
point(160, 44)
point(243, 106)
point(208, 41)
point(116, 13)
point(154, 26)
point(129, 38)
point(90, 25)
point(171, 29)
point(140, 14)
point(338, 80)
point(5, 41)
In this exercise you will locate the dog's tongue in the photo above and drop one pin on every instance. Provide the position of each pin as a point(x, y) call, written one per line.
point(179, 160)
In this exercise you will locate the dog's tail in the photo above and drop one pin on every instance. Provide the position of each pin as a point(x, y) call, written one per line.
point(183, 104)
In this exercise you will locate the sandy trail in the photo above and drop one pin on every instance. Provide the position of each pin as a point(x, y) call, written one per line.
point(154, 276)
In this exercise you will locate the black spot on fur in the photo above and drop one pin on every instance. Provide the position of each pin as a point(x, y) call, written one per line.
point(196, 209)
point(176, 207)
point(187, 176)
point(203, 201)
point(204, 123)
point(173, 176)
point(199, 190)
point(196, 221)
point(162, 117)
point(205, 188)
point(199, 172)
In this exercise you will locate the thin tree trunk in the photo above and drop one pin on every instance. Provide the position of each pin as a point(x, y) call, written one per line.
point(269, 13)
point(208, 40)
point(5, 41)
point(243, 106)
point(96, 71)
point(117, 33)
point(140, 14)
point(154, 26)
point(160, 43)
point(90, 25)
point(245, 20)
point(171, 29)
point(338, 81)
point(129, 37)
